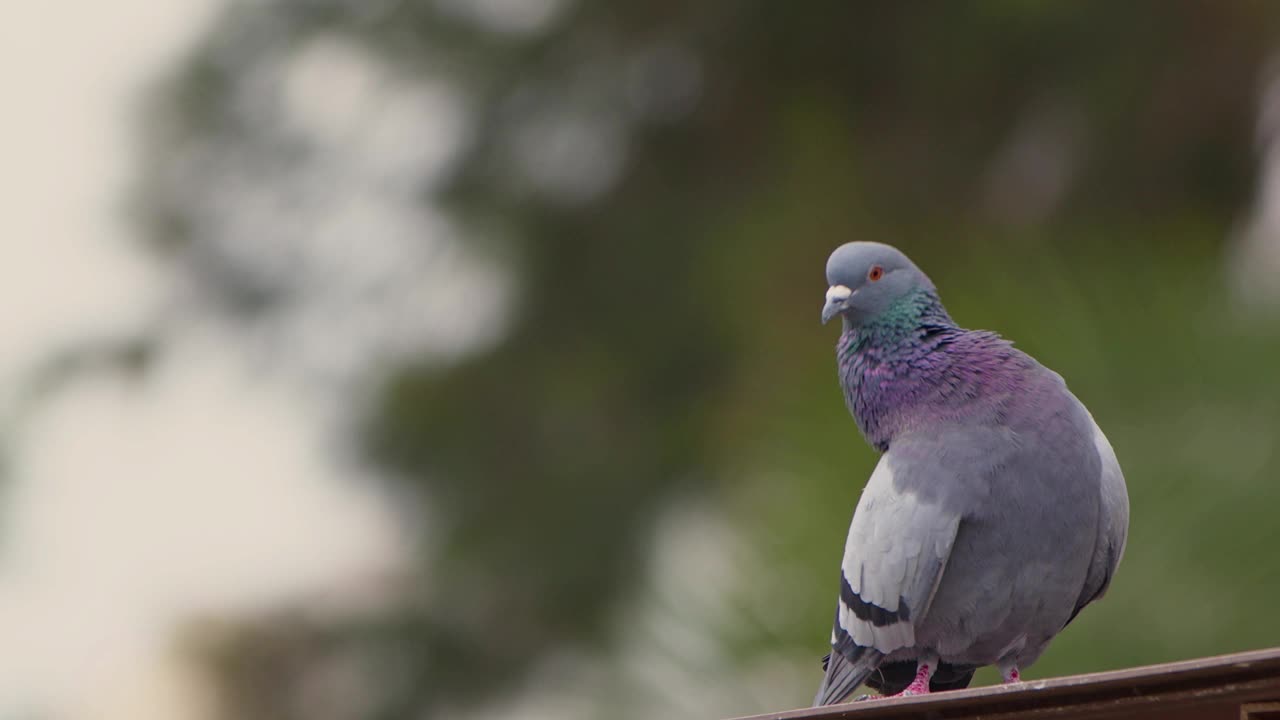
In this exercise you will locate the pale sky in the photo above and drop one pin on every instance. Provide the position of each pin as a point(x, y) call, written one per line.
point(131, 508)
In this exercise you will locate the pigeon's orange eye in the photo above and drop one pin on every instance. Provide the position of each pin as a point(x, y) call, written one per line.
point(875, 273)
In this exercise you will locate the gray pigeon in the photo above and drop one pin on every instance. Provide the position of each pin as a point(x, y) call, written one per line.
point(997, 510)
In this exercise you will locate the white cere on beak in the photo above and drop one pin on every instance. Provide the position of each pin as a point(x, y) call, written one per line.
point(838, 292)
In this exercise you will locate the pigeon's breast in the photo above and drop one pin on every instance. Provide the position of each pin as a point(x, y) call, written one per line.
point(1024, 549)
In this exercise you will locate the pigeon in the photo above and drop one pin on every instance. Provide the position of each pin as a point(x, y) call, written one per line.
point(997, 510)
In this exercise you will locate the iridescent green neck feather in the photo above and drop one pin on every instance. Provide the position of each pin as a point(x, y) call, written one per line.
point(902, 321)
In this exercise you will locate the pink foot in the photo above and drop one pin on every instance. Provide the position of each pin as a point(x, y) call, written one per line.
point(919, 686)
point(1011, 675)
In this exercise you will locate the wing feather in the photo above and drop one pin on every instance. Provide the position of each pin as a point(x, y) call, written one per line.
point(897, 547)
point(1113, 528)
point(899, 543)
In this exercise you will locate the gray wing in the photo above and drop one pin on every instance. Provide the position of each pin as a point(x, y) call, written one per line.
point(1113, 526)
point(897, 548)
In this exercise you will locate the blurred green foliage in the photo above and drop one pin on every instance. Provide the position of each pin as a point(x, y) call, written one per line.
point(1068, 173)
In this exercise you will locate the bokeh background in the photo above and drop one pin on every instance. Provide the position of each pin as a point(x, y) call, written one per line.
point(377, 359)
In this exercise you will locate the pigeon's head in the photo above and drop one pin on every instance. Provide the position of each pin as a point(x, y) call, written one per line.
point(866, 279)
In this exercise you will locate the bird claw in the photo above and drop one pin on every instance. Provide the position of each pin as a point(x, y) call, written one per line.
point(919, 686)
point(911, 692)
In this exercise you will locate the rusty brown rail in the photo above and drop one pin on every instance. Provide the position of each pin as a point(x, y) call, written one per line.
point(1242, 686)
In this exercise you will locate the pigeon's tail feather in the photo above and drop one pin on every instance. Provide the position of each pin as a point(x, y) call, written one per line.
point(845, 674)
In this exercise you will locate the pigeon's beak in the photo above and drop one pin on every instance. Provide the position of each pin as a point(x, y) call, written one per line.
point(837, 296)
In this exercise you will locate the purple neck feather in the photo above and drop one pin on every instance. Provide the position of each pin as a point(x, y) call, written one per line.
point(915, 368)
